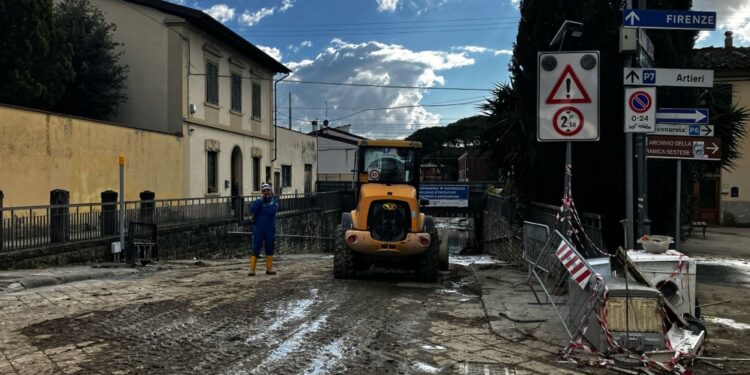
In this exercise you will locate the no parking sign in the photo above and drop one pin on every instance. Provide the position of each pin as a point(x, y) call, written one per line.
point(640, 109)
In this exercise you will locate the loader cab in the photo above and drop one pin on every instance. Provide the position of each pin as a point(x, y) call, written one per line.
point(388, 162)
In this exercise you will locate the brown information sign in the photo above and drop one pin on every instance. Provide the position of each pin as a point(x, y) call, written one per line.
point(692, 148)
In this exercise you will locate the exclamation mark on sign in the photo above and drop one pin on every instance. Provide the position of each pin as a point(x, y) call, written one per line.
point(567, 85)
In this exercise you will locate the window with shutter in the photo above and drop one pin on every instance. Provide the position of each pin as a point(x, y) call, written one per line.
point(212, 83)
point(256, 101)
point(256, 174)
point(212, 171)
point(286, 175)
point(236, 92)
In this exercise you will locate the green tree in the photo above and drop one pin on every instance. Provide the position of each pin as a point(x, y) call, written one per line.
point(35, 64)
point(98, 87)
point(443, 145)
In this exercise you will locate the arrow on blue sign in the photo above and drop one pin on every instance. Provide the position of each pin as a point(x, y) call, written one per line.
point(682, 115)
point(668, 19)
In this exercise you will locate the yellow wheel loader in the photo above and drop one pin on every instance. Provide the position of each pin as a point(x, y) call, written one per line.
point(387, 226)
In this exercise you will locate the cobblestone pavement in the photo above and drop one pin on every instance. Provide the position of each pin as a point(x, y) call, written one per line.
point(213, 319)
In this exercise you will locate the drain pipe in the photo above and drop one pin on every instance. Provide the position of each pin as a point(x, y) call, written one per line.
point(276, 118)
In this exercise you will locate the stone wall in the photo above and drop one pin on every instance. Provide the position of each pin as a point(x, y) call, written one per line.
point(202, 241)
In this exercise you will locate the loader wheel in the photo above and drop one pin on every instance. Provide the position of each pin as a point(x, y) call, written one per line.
point(343, 259)
point(428, 262)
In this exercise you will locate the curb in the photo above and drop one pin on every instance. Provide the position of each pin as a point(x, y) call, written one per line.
point(38, 281)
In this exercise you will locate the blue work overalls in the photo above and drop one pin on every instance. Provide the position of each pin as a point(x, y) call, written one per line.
point(264, 227)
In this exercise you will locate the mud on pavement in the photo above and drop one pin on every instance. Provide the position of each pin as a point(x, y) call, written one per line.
point(216, 320)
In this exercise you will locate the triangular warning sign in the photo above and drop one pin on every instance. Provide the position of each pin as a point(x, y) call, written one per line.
point(568, 89)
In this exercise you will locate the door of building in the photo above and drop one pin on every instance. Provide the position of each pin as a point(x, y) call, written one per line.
point(707, 194)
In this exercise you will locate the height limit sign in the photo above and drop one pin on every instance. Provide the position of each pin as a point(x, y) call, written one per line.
point(568, 96)
point(640, 109)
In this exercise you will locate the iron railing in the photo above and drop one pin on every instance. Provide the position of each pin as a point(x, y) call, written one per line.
point(34, 226)
point(515, 214)
point(590, 228)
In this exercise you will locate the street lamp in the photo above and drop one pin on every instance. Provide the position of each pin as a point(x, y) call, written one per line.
point(575, 30)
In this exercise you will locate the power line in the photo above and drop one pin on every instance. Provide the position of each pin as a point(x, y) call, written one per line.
point(392, 22)
point(383, 86)
point(403, 107)
point(379, 29)
point(388, 33)
point(258, 78)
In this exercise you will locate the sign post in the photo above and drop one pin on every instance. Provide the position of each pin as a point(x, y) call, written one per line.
point(568, 102)
point(668, 19)
point(568, 96)
point(668, 77)
point(640, 109)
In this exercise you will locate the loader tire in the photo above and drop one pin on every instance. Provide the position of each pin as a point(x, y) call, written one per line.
point(343, 258)
point(428, 262)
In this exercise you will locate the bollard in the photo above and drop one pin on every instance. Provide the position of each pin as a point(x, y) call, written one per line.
point(109, 213)
point(59, 230)
point(146, 212)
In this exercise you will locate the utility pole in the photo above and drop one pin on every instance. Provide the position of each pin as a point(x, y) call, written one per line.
point(290, 110)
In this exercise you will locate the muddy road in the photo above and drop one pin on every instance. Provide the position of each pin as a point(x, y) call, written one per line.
point(213, 319)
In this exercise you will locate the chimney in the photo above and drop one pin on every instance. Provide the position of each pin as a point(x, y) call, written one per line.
point(728, 39)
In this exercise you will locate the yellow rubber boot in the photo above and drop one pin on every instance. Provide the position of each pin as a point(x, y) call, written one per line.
point(269, 265)
point(253, 262)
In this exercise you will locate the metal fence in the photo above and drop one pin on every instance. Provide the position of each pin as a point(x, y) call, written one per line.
point(591, 227)
point(574, 294)
point(34, 226)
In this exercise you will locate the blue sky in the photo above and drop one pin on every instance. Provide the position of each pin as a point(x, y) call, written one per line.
point(432, 43)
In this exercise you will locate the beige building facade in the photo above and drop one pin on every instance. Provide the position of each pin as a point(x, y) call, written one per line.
point(725, 194)
point(190, 75)
point(41, 151)
point(296, 165)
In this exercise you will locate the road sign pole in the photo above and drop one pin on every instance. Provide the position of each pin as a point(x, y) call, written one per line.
point(629, 171)
point(644, 224)
point(678, 195)
point(567, 191)
point(629, 190)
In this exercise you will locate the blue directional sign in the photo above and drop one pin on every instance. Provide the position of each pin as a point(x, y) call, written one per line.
point(668, 19)
point(682, 116)
point(445, 195)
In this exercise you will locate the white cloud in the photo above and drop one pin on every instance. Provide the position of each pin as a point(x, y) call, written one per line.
point(732, 16)
point(479, 49)
point(221, 12)
point(271, 51)
point(515, 3)
point(387, 5)
point(372, 63)
point(297, 48)
point(286, 5)
point(702, 37)
point(251, 18)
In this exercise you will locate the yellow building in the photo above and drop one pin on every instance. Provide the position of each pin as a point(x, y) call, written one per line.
point(724, 196)
point(41, 151)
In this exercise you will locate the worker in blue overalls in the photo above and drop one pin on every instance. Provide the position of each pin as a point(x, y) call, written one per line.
point(264, 228)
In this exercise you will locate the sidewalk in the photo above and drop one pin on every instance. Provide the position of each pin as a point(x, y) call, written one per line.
point(722, 242)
